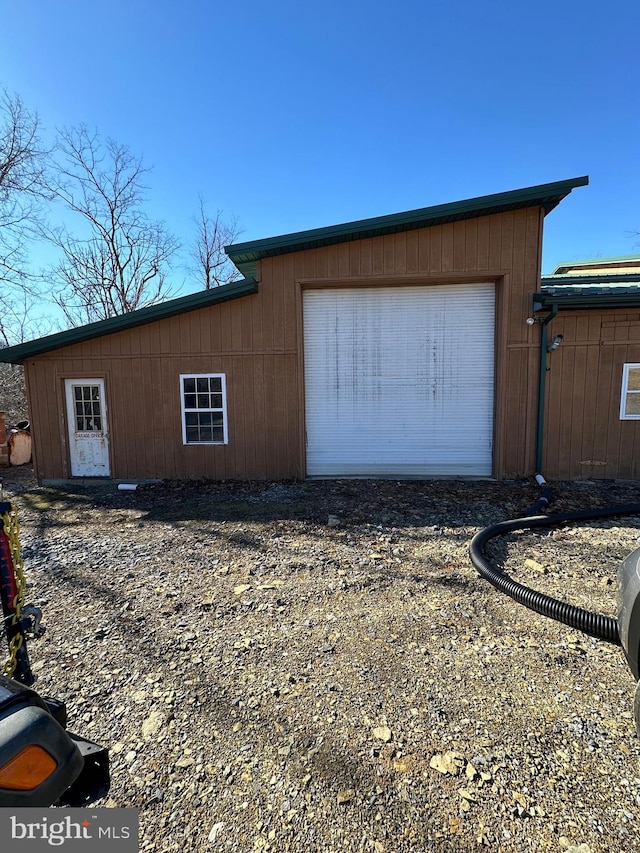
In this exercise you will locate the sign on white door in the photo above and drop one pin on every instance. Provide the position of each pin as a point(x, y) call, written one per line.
point(88, 428)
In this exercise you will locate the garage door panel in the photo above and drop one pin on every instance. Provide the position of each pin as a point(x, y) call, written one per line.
point(399, 381)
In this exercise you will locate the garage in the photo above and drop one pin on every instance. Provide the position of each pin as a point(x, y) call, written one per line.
point(395, 346)
point(399, 380)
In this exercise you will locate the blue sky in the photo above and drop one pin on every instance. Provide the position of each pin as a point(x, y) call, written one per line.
point(291, 116)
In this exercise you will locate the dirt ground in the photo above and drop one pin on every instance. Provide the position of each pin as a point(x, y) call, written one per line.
point(318, 667)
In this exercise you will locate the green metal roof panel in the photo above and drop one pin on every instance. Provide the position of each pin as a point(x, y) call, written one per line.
point(161, 311)
point(547, 196)
point(590, 296)
point(600, 280)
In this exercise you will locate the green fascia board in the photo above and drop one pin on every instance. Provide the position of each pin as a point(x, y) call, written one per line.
point(203, 299)
point(583, 298)
point(594, 262)
point(546, 196)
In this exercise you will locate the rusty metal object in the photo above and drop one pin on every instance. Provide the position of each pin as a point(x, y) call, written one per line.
point(19, 446)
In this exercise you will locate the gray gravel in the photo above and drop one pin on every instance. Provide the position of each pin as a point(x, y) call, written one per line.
point(317, 666)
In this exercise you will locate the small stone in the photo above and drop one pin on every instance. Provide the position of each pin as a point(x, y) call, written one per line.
point(130, 757)
point(382, 733)
point(449, 762)
point(185, 761)
point(215, 831)
point(333, 521)
point(153, 724)
point(345, 796)
point(454, 825)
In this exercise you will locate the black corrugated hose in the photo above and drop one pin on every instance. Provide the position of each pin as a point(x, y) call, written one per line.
point(594, 624)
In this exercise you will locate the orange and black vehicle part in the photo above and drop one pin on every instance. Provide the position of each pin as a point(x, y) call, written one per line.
point(41, 763)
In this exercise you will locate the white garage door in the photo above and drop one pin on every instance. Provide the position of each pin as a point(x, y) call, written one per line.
point(399, 381)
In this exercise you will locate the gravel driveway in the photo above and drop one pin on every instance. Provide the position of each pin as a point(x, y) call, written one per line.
point(317, 667)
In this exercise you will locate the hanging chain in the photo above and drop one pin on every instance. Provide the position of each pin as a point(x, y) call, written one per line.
point(12, 531)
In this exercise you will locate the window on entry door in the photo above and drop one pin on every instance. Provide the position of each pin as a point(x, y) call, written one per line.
point(88, 412)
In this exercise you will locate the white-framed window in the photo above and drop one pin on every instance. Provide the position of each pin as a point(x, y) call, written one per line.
point(203, 397)
point(630, 398)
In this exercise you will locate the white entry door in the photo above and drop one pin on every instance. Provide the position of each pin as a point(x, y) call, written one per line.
point(88, 428)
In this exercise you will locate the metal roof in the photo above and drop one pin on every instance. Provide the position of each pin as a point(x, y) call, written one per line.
point(246, 255)
point(603, 280)
point(620, 260)
point(589, 291)
point(202, 299)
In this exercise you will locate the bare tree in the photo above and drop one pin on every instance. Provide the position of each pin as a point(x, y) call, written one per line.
point(121, 259)
point(209, 264)
point(22, 167)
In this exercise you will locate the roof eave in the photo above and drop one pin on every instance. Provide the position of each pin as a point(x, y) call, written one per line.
point(547, 196)
point(585, 301)
point(620, 260)
point(589, 278)
point(163, 310)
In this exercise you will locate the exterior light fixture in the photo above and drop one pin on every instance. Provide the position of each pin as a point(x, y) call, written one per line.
point(555, 343)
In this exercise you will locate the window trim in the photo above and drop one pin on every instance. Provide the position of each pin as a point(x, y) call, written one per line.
point(625, 392)
point(184, 410)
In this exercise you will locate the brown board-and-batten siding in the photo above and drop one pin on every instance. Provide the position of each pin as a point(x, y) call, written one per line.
point(584, 435)
point(504, 248)
point(257, 342)
point(141, 368)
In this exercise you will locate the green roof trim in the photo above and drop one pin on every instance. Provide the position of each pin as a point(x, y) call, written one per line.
point(594, 262)
point(601, 279)
point(181, 305)
point(577, 298)
point(246, 255)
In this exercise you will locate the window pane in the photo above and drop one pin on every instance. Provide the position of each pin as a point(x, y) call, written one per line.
point(203, 409)
point(96, 408)
point(633, 383)
point(632, 405)
point(95, 392)
point(77, 392)
point(87, 409)
point(79, 424)
point(97, 422)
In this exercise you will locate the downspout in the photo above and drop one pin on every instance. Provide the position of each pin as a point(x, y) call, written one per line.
point(542, 379)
